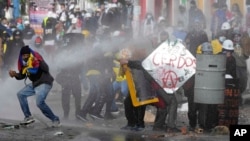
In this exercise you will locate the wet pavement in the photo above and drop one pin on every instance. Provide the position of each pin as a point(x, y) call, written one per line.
point(102, 130)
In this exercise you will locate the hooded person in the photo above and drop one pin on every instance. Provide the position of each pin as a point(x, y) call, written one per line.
point(32, 65)
point(12, 49)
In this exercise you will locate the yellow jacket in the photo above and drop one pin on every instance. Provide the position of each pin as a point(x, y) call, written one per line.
point(216, 45)
point(117, 70)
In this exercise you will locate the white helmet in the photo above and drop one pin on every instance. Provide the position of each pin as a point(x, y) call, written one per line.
point(228, 45)
point(71, 16)
point(74, 20)
point(26, 22)
point(225, 26)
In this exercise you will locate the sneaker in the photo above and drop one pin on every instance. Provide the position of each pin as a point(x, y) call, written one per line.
point(55, 124)
point(115, 112)
point(94, 116)
point(127, 127)
point(28, 120)
point(109, 116)
point(82, 118)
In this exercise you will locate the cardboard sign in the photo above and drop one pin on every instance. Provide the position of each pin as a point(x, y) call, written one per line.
point(171, 65)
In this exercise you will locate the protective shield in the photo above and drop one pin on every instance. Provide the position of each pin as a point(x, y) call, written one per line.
point(139, 88)
point(171, 65)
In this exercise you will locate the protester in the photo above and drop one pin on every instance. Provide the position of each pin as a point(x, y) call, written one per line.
point(12, 49)
point(94, 73)
point(73, 28)
point(31, 65)
point(240, 56)
point(148, 25)
point(49, 34)
point(134, 115)
point(195, 14)
point(167, 111)
point(28, 33)
point(194, 38)
point(127, 17)
point(69, 79)
point(228, 50)
point(218, 18)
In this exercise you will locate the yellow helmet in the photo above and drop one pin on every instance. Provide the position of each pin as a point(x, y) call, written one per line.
point(86, 33)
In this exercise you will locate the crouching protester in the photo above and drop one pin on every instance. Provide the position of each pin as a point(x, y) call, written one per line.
point(31, 65)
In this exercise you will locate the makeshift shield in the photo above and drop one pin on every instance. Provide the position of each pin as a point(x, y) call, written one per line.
point(139, 89)
point(171, 65)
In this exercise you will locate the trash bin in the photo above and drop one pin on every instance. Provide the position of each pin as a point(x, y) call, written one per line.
point(210, 79)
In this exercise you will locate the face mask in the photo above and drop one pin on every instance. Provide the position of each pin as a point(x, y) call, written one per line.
point(25, 59)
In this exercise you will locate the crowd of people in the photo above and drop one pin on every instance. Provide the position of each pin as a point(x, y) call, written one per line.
point(92, 40)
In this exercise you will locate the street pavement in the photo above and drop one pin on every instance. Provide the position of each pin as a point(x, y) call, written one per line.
point(101, 130)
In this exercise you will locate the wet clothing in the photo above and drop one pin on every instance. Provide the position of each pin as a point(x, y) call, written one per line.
point(69, 79)
point(99, 81)
point(135, 115)
point(37, 71)
point(38, 74)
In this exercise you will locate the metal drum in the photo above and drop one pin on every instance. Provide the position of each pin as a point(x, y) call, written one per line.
point(210, 79)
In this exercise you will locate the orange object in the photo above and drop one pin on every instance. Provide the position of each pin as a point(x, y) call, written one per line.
point(184, 130)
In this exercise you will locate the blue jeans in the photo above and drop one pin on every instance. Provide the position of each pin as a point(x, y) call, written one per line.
point(41, 93)
point(123, 86)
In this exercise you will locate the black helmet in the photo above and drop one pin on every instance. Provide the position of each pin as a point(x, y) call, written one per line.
point(17, 33)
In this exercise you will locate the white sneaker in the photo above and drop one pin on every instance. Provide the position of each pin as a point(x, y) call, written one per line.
point(28, 120)
point(55, 124)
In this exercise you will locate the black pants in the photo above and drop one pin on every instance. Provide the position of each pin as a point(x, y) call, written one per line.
point(134, 115)
point(205, 114)
point(67, 90)
point(105, 97)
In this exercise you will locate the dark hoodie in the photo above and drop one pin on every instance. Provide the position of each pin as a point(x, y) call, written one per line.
point(38, 74)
